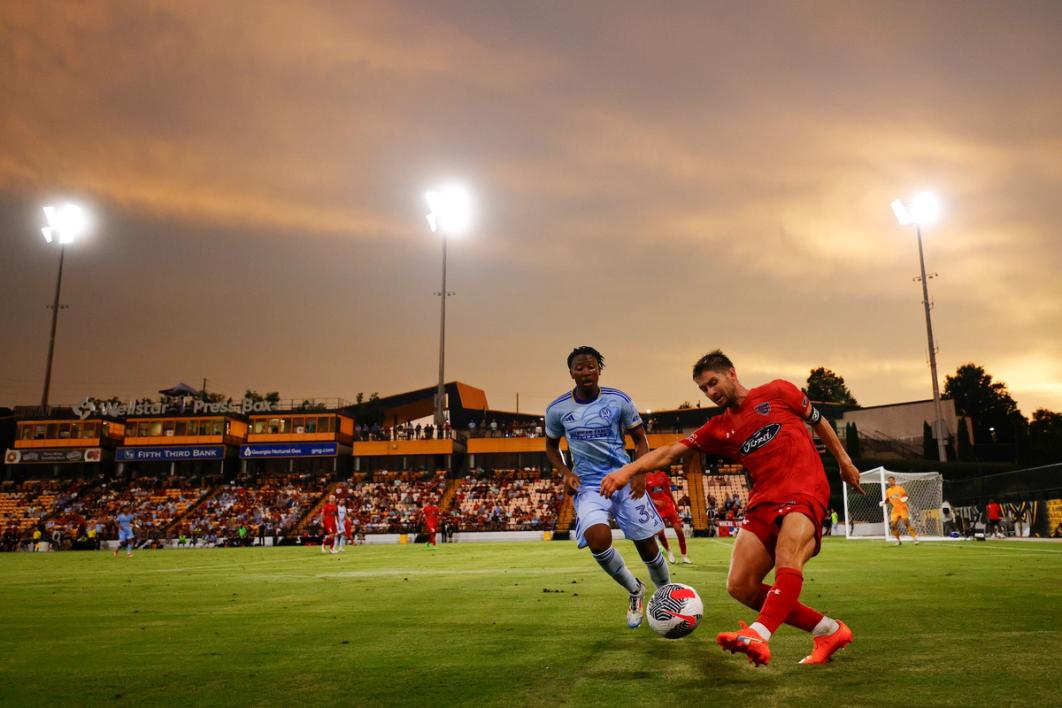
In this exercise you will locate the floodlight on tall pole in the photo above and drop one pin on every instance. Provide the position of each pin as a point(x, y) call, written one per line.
point(450, 215)
point(925, 210)
point(65, 225)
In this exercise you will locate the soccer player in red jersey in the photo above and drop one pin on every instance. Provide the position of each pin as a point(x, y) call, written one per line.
point(764, 429)
point(658, 486)
point(430, 513)
point(348, 528)
point(329, 515)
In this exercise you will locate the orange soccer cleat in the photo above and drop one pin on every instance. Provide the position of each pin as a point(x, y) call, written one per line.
point(745, 641)
point(826, 647)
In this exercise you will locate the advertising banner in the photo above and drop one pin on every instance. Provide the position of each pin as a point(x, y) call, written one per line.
point(170, 454)
point(262, 450)
point(51, 457)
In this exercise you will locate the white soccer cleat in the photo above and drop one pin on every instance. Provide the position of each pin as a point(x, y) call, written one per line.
point(686, 560)
point(635, 606)
point(670, 557)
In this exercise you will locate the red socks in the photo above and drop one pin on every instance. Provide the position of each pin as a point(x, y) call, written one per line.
point(780, 603)
point(662, 535)
point(682, 541)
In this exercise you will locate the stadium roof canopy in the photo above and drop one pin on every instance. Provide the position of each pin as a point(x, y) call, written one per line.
point(464, 402)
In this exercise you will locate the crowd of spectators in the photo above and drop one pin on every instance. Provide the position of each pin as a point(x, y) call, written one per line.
point(509, 500)
point(248, 511)
point(491, 428)
point(726, 494)
point(81, 513)
point(391, 503)
point(88, 515)
point(402, 431)
point(681, 492)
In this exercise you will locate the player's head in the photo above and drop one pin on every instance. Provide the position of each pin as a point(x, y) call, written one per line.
point(332, 498)
point(715, 375)
point(892, 481)
point(585, 365)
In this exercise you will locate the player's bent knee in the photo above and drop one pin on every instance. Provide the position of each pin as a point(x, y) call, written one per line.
point(744, 590)
point(598, 538)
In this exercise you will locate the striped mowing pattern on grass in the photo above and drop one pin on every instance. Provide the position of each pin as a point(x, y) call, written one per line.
point(514, 624)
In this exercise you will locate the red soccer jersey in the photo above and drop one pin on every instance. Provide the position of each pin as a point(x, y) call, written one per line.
point(329, 512)
point(658, 486)
point(995, 513)
point(768, 436)
point(348, 525)
point(431, 515)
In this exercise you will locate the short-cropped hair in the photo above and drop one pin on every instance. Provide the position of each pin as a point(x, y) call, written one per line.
point(713, 361)
point(587, 350)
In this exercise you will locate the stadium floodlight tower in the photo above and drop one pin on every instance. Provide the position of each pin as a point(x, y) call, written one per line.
point(450, 215)
point(925, 210)
point(66, 224)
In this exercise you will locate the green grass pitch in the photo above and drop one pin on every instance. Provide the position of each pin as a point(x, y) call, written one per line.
point(515, 624)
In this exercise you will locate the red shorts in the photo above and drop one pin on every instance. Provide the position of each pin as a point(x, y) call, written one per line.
point(765, 519)
point(670, 516)
point(431, 529)
point(330, 527)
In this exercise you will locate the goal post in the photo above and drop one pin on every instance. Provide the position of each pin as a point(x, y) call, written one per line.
point(866, 517)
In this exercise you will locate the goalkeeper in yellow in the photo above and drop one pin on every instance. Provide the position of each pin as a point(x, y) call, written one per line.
point(896, 496)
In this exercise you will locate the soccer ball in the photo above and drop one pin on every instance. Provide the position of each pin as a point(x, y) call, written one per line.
point(674, 610)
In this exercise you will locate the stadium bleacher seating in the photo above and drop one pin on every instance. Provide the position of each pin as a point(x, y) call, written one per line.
point(154, 503)
point(277, 503)
point(509, 500)
point(392, 501)
point(727, 483)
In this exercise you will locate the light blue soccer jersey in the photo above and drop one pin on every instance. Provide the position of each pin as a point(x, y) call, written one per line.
point(125, 522)
point(594, 431)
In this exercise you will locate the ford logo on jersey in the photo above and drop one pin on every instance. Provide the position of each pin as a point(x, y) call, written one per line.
point(761, 437)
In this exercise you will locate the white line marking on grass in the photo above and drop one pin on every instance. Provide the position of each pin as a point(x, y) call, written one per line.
point(1001, 550)
point(405, 572)
point(232, 564)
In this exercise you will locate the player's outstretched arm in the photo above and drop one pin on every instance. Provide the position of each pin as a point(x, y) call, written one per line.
point(660, 457)
point(641, 449)
point(849, 472)
point(555, 459)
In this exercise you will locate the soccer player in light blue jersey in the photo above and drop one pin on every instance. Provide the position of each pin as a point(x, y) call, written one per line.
point(125, 532)
point(595, 420)
point(340, 541)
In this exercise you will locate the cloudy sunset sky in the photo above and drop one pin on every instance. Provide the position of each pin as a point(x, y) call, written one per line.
point(653, 179)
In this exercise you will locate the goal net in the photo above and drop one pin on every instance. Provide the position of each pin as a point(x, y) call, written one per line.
point(865, 517)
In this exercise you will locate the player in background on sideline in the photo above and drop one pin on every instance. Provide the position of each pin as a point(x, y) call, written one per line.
point(430, 515)
point(896, 496)
point(658, 486)
point(763, 428)
point(329, 514)
point(340, 540)
point(125, 531)
point(595, 420)
point(348, 530)
point(994, 512)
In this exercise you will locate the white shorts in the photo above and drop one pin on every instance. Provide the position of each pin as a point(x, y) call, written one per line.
point(638, 519)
